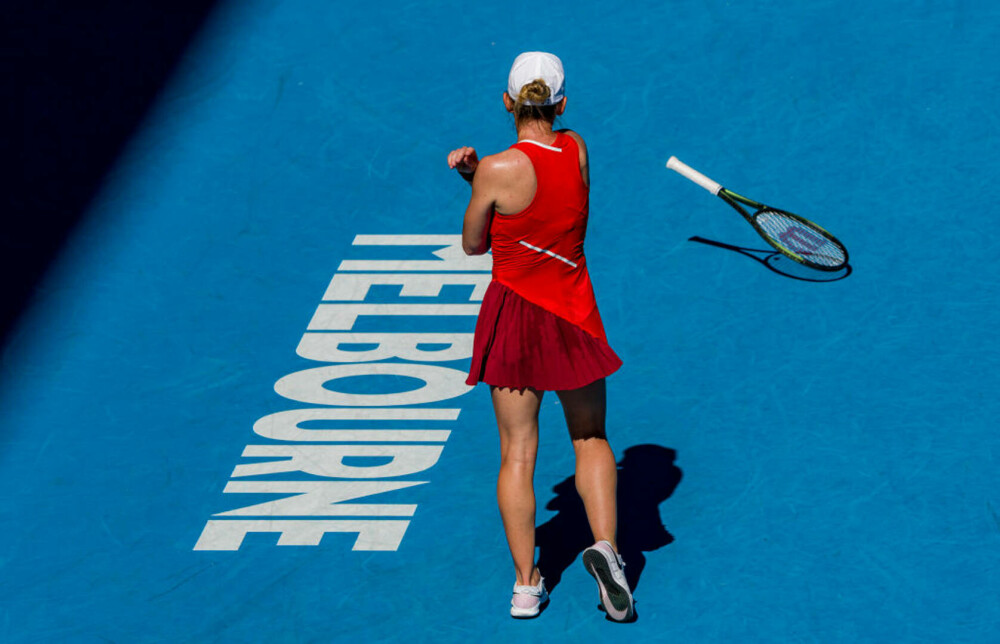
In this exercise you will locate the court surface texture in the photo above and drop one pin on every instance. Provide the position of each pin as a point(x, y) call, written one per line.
point(188, 454)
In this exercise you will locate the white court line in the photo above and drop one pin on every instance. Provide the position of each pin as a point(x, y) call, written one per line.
point(548, 252)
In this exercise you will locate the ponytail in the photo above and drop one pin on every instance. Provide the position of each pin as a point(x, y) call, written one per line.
point(529, 104)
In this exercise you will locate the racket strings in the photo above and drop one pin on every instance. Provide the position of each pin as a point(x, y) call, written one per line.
point(799, 237)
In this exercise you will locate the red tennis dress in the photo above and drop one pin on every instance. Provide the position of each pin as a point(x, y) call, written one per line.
point(538, 325)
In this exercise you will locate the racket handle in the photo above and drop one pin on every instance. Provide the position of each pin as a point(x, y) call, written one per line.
point(688, 172)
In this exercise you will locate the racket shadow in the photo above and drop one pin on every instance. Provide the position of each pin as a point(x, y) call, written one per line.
point(647, 477)
point(778, 263)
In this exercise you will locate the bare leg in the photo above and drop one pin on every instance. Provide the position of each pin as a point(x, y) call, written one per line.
point(517, 420)
point(596, 471)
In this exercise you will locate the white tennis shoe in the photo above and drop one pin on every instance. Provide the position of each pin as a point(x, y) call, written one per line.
point(528, 600)
point(607, 567)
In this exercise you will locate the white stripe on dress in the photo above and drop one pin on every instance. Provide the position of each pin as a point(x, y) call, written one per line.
point(548, 252)
point(541, 145)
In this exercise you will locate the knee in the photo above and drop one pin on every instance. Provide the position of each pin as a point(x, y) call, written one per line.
point(518, 452)
point(521, 457)
point(585, 447)
point(583, 432)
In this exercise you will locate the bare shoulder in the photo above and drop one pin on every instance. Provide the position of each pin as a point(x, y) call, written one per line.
point(584, 156)
point(504, 166)
point(509, 160)
point(576, 137)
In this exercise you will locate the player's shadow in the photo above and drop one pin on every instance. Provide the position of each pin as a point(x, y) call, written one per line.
point(778, 263)
point(647, 477)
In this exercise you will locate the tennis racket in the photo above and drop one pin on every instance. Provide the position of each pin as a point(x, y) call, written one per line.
point(793, 236)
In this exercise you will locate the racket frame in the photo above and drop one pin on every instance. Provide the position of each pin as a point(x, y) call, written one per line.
point(735, 200)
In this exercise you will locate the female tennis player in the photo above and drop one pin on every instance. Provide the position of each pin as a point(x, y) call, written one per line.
point(539, 329)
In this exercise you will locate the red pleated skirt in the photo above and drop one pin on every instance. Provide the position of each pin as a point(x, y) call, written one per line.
point(519, 344)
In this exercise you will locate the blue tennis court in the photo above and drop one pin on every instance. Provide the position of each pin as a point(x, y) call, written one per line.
point(217, 426)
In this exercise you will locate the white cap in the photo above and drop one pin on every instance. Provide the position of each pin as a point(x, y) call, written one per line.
point(532, 65)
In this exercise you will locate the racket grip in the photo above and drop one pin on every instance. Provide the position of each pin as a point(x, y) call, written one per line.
point(688, 172)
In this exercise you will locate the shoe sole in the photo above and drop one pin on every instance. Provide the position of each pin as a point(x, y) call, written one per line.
point(616, 600)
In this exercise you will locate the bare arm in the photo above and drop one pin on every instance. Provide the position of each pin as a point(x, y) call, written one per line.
point(503, 182)
point(476, 226)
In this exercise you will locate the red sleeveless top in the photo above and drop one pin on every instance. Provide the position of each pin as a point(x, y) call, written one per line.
point(538, 252)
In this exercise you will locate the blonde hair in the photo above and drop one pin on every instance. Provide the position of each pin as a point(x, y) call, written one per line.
point(528, 104)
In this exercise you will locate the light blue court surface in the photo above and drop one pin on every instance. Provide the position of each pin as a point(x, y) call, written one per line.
point(801, 461)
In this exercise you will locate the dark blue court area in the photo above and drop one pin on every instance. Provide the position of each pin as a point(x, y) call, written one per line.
point(231, 399)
